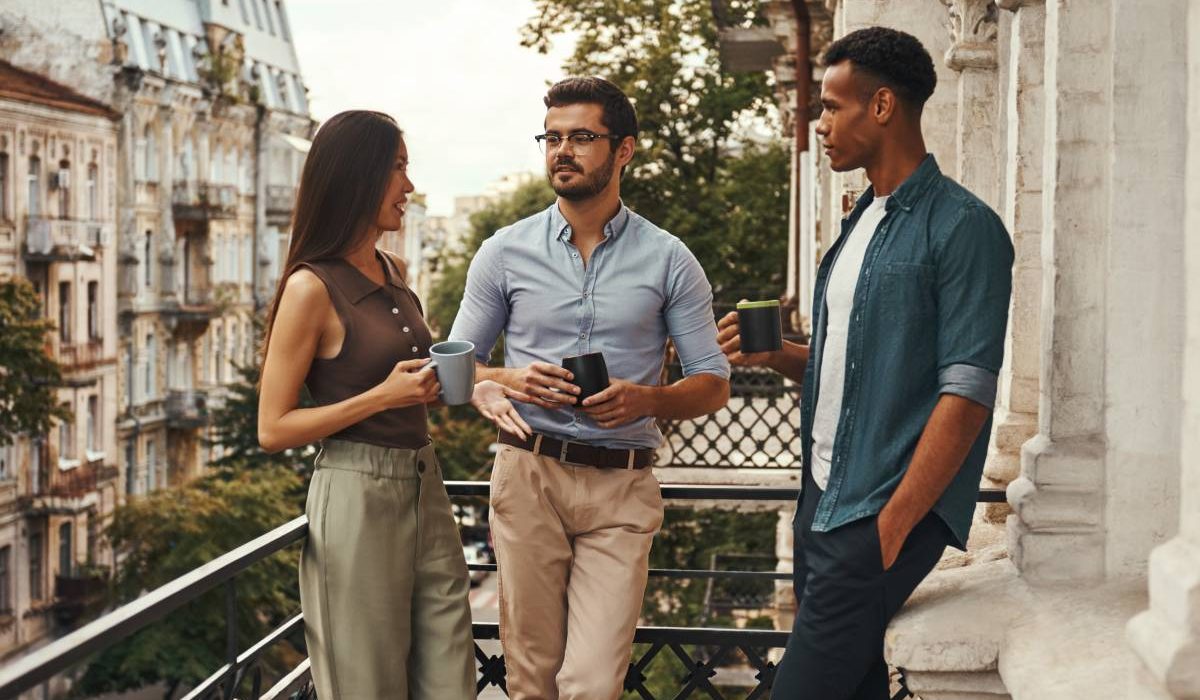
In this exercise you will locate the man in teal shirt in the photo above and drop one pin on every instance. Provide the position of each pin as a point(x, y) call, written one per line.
point(909, 319)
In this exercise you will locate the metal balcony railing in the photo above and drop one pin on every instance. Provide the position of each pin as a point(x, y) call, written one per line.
point(700, 651)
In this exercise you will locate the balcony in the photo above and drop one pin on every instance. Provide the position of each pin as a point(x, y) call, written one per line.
point(281, 200)
point(186, 409)
point(64, 240)
point(201, 201)
point(710, 657)
point(60, 490)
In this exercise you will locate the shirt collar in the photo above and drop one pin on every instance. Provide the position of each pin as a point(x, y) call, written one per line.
point(614, 228)
point(912, 189)
point(357, 286)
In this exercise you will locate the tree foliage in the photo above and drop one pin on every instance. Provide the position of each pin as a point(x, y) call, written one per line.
point(698, 173)
point(171, 532)
point(29, 375)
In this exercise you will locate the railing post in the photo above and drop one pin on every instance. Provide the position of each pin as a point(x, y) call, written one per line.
point(231, 645)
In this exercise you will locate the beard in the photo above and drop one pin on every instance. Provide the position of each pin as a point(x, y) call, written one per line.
point(589, 185)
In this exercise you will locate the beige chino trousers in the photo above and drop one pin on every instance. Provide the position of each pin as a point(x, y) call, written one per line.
point(572, 544)
point(383, 583)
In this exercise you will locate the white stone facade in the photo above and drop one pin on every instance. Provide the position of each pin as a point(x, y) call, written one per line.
point(1072, 120)
point(197, 167)
point(58, 163)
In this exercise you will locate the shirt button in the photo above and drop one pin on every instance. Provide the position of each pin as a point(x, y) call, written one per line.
point(414, 348)
point(574, 255)
point(583, 335)
point(406, 329)
point(395, 310)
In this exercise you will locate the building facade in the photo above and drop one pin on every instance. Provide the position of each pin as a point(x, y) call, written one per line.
point(58, 164)
point(153, 225)
point(1071, 119)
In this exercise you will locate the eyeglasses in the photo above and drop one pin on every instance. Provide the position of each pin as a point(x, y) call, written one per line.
point(580, 141)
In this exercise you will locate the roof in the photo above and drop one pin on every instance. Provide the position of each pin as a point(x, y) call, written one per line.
point(24, 86)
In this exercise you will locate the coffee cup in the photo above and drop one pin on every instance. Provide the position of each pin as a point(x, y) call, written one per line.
point(454, 361)
point(760, 326)
point(591, 374)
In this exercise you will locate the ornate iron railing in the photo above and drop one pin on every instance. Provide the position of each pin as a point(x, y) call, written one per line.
point(701, 652)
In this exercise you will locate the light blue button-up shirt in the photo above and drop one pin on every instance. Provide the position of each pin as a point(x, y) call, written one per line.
point(641, 286)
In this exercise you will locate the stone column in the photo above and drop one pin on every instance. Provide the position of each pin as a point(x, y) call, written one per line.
point(1167, 636)
point(1057, 531)
point(1024, 115)
point(972, 54)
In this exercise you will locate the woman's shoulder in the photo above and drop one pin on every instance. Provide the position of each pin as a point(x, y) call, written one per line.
point(306, 286)
point(400, 263)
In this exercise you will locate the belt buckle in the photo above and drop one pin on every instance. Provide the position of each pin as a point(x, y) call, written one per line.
point(629, 464)
point(562, 451)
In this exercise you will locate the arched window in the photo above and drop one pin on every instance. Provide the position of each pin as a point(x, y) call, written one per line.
point(215, 164)
point(93, 191)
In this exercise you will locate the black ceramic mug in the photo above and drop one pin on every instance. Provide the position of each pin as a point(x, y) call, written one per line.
point(760, 326)
point(591, 374)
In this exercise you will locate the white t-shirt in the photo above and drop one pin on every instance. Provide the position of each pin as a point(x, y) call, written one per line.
point(839, 302)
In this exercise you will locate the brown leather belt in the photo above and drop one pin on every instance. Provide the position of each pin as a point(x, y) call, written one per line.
point(579, 453)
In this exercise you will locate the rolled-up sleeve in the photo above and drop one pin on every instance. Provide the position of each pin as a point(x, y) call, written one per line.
point(974, 285)
point(689, 316)
point(483, 313)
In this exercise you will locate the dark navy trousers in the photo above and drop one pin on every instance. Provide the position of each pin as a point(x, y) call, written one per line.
point(845, 600)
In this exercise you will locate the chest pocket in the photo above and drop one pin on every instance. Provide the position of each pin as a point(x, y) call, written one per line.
point(907, 290)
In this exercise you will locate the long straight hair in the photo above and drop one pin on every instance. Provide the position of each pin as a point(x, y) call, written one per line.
point(342, 186)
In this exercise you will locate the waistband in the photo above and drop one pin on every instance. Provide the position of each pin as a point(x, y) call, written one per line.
point(376, 460)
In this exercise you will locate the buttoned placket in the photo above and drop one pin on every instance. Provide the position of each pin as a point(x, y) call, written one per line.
point(393, 294)
point(854, 339)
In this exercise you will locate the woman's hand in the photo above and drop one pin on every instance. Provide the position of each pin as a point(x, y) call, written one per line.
point(492, 400)
point(410, 383)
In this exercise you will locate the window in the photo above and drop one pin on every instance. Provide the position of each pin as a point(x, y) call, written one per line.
point(37, 465)
point(151, 365)
point(151, 167)
point(66, 441)
point(5, 585)
point(7, 462)
point(37, 589)
point(257, 15)
point(34, 182)
point(267, 13)
point(231, 166)
point(284, 30)
point(245, 16)
point(130, 469)
point(66, 557)
point(219, 357)
point(93, 311)
point(215, 164)
point(93, 192)
point(93, 423)
point(4, 215)
point(64, 312)
point(148, 250)
point(151, 464)
point(63, 182)
point(129, 374)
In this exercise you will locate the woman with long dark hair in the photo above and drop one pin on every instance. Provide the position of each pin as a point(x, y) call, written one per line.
point(383, 583)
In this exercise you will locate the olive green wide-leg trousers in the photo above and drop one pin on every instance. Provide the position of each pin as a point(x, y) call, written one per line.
point(383, 583)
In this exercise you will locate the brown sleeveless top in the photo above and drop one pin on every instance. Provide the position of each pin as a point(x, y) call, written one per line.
point(384, 325)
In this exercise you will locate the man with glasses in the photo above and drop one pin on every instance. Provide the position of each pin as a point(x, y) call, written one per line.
point(575, 506)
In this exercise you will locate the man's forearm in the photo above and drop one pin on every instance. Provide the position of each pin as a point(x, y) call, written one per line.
point(691, 397)
point(791, 361)
point(949, 433)
point(500, 375)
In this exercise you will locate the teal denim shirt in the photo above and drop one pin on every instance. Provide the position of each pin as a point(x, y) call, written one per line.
point(929, 318)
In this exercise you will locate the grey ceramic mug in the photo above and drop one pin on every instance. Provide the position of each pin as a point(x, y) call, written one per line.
point(454, 361)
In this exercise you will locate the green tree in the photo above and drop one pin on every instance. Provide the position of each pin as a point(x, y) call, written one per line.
point(172, 532)
point(698, 172)
point(28, 374)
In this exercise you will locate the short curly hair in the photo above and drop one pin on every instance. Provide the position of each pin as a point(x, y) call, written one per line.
point(896, 59)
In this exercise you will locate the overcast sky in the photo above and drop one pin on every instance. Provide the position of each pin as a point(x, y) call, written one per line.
point(452, 72)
